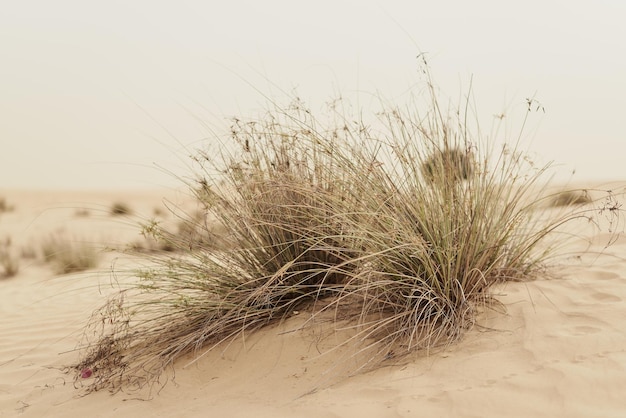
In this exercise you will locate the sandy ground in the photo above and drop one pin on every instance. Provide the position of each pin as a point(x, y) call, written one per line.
point(558, 351)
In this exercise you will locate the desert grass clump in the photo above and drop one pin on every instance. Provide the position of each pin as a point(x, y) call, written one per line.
point(277, 202)
point(69, 255)
point(120, 209)
point(191, 230)
point(455, 163)
point(401, 231)
point(4, 206)
point(28, 252)
point(9, 263)
point(82, 213)
point(570, 198)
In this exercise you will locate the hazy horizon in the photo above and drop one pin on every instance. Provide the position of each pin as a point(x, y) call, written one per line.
point(117, 94)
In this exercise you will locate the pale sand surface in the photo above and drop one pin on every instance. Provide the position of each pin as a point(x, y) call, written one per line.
point(559, 351)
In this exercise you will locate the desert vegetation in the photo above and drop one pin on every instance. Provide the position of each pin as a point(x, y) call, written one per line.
point(120, 208)
point(5, 206)
point(571, 198)
point(399, 228)
point(9, 263)
point(82, 212)
point(68, 254)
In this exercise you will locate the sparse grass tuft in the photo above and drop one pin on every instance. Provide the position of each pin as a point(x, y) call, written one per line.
point(402, 234)
point(82, 213)
point(159, 212)
point(9, 263)
point(69, 255)
point(456, 163)
point(119, 209)
point(190, 231)
point(571, 198)
point(4, 206)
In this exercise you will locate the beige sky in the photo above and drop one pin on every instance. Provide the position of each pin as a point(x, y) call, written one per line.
point(97, 94)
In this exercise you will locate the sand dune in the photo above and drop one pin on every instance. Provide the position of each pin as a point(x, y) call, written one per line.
point(558, 351)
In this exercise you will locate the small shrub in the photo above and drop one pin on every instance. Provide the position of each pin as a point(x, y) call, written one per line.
point(28, 252)
point(454, 164)
point(120, 209)
point(4, 206)
point(9, 263)
point(195, 231)
point(191, 231)
point(571, 198)
point(159, 212)
point(69, 255)
point(82, 213)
